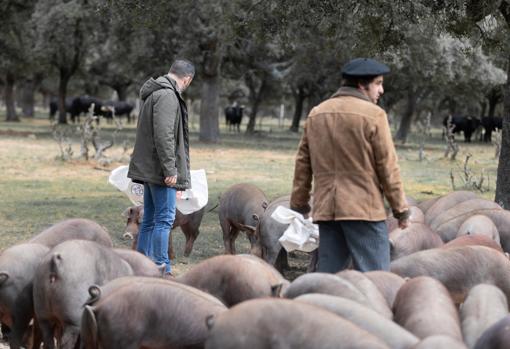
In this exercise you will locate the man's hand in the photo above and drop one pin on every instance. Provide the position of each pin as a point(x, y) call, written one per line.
point(404, 223)
point(170, 181)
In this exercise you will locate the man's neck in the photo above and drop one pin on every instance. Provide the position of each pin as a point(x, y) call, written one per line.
point(177, 82)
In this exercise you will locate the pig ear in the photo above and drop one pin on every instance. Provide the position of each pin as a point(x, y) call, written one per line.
point(276, 290)
point(255, 217)
point(209, 321)
point(3, 277)
point(126, 212)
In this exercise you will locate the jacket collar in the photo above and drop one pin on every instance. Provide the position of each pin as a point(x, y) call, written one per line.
point(171, 81)
point(351, 92)
point(174, 85)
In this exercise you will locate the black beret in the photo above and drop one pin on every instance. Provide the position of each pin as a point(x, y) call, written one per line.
point(364, 67)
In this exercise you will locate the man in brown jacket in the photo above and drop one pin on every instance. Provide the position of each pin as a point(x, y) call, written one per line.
point(348, 151)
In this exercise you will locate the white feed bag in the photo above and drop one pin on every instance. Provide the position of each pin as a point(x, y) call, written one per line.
point(301, 234)
point(188, 201)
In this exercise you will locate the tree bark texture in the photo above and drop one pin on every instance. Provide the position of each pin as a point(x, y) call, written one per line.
point(9, 98)
point(299, 98)
point(503, 178)
point(407, 117)
point(27, 98)
point(494, 98)
point(62, 91)
point(210, 96)
point(209, 109)
point(255, 99)
point(121, 92)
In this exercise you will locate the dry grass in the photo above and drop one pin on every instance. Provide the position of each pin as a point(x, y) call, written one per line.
point(38, 189)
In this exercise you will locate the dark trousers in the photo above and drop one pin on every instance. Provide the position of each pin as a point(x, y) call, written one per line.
point(364, 241)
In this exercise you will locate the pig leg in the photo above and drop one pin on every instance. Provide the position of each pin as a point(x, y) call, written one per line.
point(135, 241)
point(47, 334)
point(312, 266)
point(19, 330)
point(282, 261)
point(190, 235)
point(70, 337)
point(6, 332)
point(36, 336)
point(171, 254)
point(227, 228)
point(232, 241)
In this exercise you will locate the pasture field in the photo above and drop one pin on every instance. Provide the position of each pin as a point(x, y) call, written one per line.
point(37, 188)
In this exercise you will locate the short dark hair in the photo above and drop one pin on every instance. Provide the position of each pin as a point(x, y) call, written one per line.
point(182, 68)
point(355, 81)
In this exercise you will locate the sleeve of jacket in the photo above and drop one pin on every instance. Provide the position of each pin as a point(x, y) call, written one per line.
point(387, 168)
point(302, 184)
point(165, 111)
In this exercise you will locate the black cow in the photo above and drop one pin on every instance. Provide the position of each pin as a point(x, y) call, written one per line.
point(122, 108)
point(54, 106)
point(82, 104)
point(233, 117)
point(465, 124)
point(491, 124)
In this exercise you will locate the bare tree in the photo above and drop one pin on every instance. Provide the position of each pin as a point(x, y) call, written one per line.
point(451, 144)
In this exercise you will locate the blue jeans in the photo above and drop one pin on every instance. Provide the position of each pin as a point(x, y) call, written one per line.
point(366, 242)
point(158, 218)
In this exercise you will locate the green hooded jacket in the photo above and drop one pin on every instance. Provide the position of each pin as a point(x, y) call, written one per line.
point(162, 145)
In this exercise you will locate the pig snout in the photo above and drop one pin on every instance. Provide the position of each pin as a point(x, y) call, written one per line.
point(131, 230)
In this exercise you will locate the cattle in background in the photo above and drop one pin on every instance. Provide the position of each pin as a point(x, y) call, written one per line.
point(54, 106)
point(122, 108)
point(490, 124)
point(465, 124)
point(233, 117)
point(82, 104)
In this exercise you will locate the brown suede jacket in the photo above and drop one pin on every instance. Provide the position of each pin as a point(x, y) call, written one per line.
point(348, 150)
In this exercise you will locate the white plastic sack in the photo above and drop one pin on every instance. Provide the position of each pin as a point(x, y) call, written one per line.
point(194, 199)
point(188, 201)
point(119, 179)
point(301, 234)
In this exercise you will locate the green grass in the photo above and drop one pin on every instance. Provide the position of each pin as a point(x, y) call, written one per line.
point(38, 189)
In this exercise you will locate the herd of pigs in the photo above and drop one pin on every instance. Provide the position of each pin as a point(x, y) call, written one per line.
point(448, 287)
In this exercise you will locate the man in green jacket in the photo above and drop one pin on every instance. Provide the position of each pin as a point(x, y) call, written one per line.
point(160, 158)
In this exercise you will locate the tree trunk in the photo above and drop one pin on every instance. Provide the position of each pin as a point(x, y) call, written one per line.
point(451, 105)
point(27, 98)
point(299, 98)
point(9, 98)
point(484, 109)
point(503, 179)
point(62, 91)
point(209, 109)
point(121, 92)
point(405, 123)
point(493, 102)
point(255, 98)
point(210, 96)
